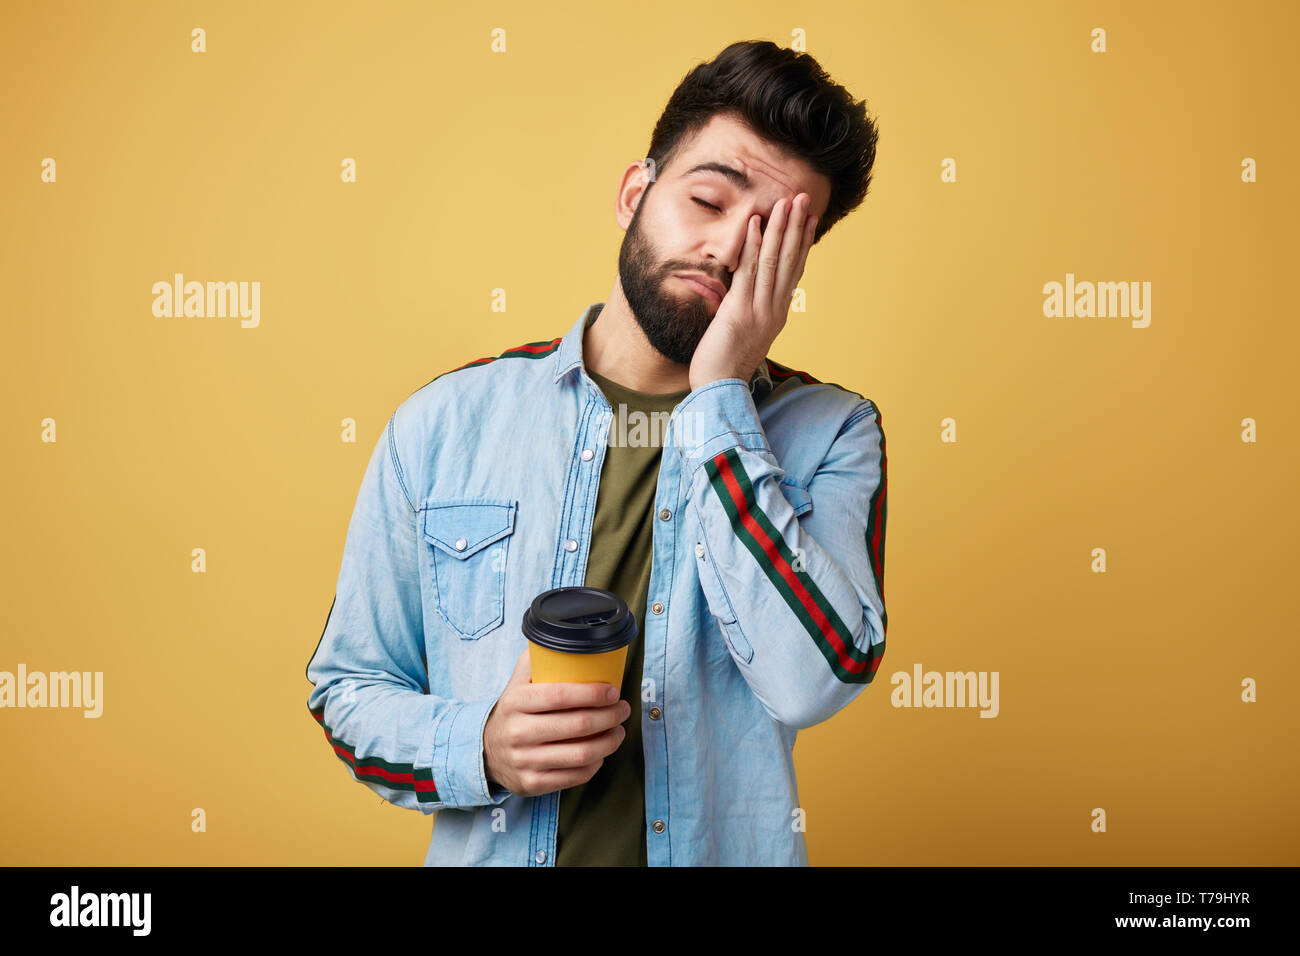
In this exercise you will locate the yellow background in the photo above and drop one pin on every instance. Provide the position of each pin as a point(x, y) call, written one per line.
point(480, 170)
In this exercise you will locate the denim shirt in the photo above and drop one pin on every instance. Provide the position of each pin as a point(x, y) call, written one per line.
point(765, 612)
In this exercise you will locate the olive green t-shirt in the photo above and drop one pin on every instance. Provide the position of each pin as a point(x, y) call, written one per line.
point(602, 821)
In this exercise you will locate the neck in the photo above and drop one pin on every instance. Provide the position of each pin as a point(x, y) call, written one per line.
point(614, 346)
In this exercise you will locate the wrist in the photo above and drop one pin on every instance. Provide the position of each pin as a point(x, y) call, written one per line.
point(710, 378)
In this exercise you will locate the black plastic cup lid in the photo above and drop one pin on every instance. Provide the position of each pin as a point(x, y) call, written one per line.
point(579, 620)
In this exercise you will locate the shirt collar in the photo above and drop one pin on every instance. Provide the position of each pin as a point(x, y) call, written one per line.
point(569, 355)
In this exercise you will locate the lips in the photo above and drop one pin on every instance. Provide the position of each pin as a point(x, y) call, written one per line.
point(711, 289)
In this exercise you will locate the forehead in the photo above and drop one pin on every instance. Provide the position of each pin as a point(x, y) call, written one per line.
point(726, 150)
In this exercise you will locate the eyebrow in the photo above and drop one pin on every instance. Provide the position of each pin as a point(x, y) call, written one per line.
point(735, 176)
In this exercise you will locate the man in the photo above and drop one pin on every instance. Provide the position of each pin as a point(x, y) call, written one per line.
point(748, 539)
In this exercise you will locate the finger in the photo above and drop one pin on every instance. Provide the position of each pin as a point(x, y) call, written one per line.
point(550, 781)
point(577, 752)
point(792, 247)
point(810, 233)
point(742, 280)
point(573, 725)
point(523, 672)
point(769, 256)
point(564, 695)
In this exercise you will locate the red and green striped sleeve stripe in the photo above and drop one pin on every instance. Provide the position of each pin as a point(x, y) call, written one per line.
point(530, 350)
point(879, 509)
point(395, 776)
point(783, 373)
point(755, 530)
point(877, 514)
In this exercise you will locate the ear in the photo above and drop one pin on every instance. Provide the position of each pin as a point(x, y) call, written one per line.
point(636, 179)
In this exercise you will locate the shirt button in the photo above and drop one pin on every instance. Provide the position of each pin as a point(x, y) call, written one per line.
point(665, 514)
point(570, 545)
point(588, 454)
point(460, 544)
point(657, 608)
point(699, 550)
point(659, 826)
point(540, 856)
point(655, 713)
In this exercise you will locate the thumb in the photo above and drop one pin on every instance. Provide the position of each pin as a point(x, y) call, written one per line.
point(523, 672)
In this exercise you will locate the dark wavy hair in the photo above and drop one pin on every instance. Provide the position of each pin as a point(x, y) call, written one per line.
point(786, 98)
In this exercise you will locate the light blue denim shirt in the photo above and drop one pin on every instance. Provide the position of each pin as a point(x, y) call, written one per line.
point(765, 612)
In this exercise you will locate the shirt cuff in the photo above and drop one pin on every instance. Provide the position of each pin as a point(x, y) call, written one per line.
point(715, 417)
point(463, 782)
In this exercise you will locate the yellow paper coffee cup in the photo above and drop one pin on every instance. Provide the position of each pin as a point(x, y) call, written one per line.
point(578, 634)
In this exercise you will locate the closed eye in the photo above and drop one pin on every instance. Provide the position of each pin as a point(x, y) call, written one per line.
point(705, 204)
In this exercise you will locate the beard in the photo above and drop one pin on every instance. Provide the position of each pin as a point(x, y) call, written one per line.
point(673, 326)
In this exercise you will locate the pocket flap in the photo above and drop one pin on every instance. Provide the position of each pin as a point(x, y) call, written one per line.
point(465, 526)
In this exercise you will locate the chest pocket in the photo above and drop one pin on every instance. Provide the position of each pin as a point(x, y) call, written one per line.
point(466, 542)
